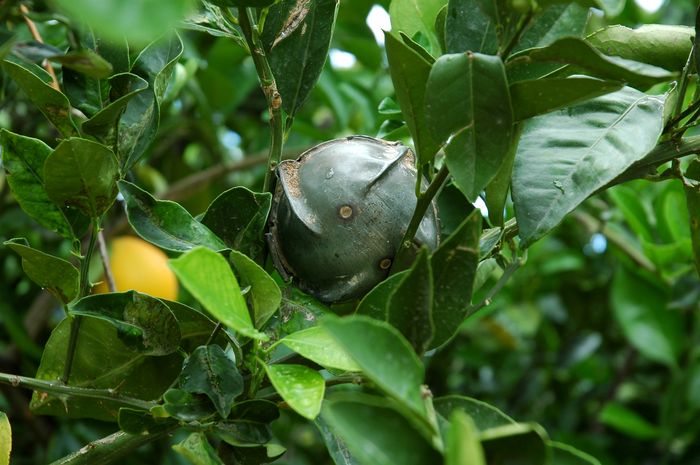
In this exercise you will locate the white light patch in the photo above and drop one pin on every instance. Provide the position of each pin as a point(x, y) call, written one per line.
point(482, 207)
point(340, 59)
point(378, 21)
point(650, 6)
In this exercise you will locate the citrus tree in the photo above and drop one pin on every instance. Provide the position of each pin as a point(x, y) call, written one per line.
point(325, 288)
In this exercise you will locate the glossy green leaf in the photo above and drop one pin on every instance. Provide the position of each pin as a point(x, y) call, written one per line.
point(5, 439)
point(628, 422)
point(375, 433)
point(468, 27)
point(195, 327)
point(409, 73)
point(165, 223)
point(51, 102)
point(468, 105)
point(483, 415)
point(186, 406)
point(238, 216)
point(552, 22)
point(265, 295)
point(141, 21)
point(104, 122)
point(143, 322)
point(85, 62)
point(384, 356)
point(23, 159)
point(416, 18)
point(454, 269)
point(577, 52)
point(565, 156)
point(497, 190)
point(300, 386)
point(660, 45)
point(440, 21)
point(538, 96)
point(102, 361)
point(337, 448)
point(563, 454)
point(640, 309)
point(209, 371)
point(54, 274)
point(82, 174)
point(524, 444)
point(375, 303)
point(410, 306)
point(297, 37)
point(462, 444)
point(692, 198)
point(138, 124)
point(208, 277)
point(197, 450)
point(243, 433)
point(319, 346)
point(627, 200)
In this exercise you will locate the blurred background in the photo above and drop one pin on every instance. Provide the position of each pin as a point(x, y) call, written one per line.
point(596, 337)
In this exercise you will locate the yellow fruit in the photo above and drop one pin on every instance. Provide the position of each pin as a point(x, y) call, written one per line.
point(140, 266)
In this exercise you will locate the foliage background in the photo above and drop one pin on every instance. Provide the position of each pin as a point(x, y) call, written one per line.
point(557, 346)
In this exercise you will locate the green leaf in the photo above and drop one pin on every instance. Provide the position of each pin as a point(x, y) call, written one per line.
point(410, 306)
point(563, 454)
point(54, 274)
point(577, 52)
point(197, 450)
point(239, 216)
point(462, 445)
point(469, 28)
point(244, 3)
point(692, 197)
point(195, 327)
point(627, 201)
point(300, 386)
point(23, 159)
point(640, 309)
point(656, 44)
point(384, 356)
point(524, 444)
point(409, 73)
point(265, 294)
point(134, 421)
point(497, 190)
point(337, 448)
point(375, 303)
point(5, 439)
point(141, 21)
point(297, 37)
point(628, 422)
point(51, 102)
point(454, 269)
point(538, 96)
point(138, 124)
point(186, 406)
point(565, 156)
point(416, 18)
point(483, 415)
point(82, 174)
point(319, 346)
point(467, 99)
point(86, 62)
point(165, 223)
point(208, 277)
point(102, 361)
point(243, 433)
point(553, 22)
point(103, 123)
point(375, 433)
point(209, 371)
point(143, 322)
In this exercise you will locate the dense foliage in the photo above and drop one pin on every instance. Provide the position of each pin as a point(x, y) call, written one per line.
point(556, 323)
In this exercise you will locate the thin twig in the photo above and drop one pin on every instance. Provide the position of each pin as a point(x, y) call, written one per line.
point(37, 36)
point(104, 256)
point(507, 273)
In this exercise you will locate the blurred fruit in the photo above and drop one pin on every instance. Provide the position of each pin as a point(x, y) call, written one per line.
point(138, 265)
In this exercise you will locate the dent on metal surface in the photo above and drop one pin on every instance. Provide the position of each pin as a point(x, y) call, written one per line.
point(339, 213)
